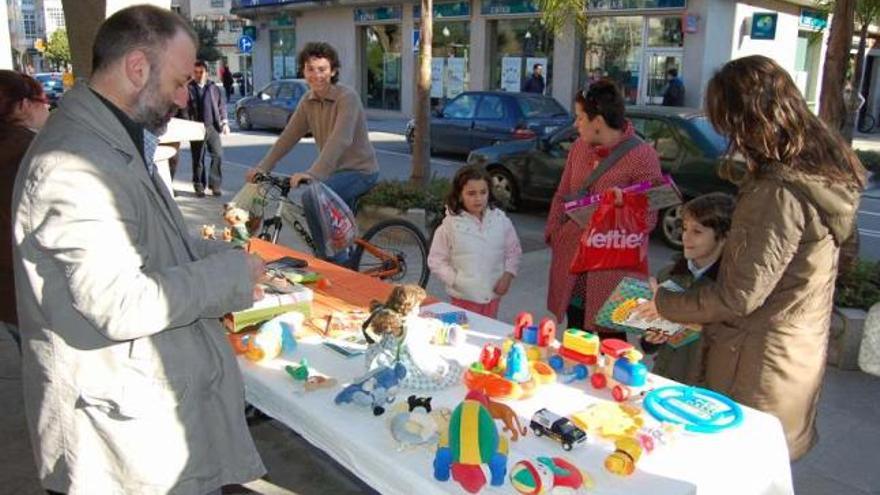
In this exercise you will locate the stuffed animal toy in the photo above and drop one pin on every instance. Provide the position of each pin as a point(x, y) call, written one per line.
point(411, 427)
point(376, 389)
point(472, 441)
point(397, 334)
point(236, 219)
point(423, 402)
point(503, 412)
point(209, 232)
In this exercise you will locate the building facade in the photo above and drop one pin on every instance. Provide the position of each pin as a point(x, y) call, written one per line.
point(493, 44)
point(215, 15)
point(28, 21)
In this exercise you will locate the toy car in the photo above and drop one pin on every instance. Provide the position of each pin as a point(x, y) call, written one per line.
point(561, 429)
point(620, 370)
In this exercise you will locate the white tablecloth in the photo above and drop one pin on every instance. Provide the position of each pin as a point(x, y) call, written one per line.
point(751, 459)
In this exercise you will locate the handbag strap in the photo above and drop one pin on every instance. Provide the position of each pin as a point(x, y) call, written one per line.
point(616, 154)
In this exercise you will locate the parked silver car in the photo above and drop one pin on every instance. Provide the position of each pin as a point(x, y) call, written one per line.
point(272, 106)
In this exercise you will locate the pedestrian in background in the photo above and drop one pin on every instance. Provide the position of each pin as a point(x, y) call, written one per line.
point(475, 251)
point(226, 79)
point(207, 104)
point(24, 109)
point(130, 385)
point(766, 320)
point(673, 95)
point(535, 82)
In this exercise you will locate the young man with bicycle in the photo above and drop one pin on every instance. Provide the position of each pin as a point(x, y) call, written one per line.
point(333, 113)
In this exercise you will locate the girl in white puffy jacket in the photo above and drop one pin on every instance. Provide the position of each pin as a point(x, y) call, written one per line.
point(475, 251)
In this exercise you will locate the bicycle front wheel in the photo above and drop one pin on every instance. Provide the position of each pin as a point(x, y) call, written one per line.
point(395, 251)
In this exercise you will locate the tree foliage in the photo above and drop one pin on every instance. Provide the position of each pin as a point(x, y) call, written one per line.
point(58, 48)
point(556, 14)
point(208, 50)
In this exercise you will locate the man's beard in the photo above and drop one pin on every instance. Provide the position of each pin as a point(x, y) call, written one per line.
point(152, 110)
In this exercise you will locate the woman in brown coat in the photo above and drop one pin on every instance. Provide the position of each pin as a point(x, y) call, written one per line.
point(24, 109)
point(766, 319)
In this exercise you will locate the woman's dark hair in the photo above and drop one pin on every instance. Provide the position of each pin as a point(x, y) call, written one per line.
point(144, 27)
point(713, 210)
point(465, 174)
point(603, 98)
point(319, 49)
point(201, 63)
point(754, 102)
point(15, 88)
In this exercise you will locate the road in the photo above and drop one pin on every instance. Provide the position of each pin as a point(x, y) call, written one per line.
point(244, 149)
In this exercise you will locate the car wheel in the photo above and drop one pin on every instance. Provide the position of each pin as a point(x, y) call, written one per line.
point(566, 446)
point(504, 188)
point(244, 120)
point(538, 432)
point(670, 226)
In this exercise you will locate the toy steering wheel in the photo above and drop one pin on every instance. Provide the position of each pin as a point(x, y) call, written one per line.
point(697, 409)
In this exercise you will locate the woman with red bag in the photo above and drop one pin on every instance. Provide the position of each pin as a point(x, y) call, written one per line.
point(602, 127)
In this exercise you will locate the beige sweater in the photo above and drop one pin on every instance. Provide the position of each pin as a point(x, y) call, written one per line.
point(339, 125)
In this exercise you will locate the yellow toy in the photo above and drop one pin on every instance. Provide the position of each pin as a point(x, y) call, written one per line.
point(610, 420)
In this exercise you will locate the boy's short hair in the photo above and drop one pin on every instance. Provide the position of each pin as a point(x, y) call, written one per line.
point(713, 210)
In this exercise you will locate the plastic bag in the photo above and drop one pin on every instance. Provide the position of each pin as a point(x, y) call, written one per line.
point(330, 220)
point(616, 237)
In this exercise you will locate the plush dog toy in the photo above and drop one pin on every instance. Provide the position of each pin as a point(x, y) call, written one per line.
point(209, 232)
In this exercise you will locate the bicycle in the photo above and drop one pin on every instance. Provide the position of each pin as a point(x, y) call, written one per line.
point(393, 250)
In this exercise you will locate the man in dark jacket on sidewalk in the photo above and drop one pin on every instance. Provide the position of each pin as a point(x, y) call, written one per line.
point(673, 96)
point(207, 104)
point(535, 83)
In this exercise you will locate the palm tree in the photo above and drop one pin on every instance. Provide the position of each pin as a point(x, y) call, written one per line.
point(421, 157)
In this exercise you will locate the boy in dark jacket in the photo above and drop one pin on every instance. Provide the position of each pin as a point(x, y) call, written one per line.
point(706, 222)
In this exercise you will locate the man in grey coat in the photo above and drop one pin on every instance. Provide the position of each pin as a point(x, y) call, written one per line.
point(130, 385)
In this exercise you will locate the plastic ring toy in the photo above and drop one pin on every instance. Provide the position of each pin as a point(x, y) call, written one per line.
point(697, 409)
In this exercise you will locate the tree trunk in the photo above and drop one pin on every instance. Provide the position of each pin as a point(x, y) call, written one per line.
point(831, 104)
point(852, 105)
point(421, 157)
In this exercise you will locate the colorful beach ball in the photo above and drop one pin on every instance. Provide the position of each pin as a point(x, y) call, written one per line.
point(531, 478)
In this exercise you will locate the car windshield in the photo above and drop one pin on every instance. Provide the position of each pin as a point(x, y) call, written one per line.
point(704, 127)
point(540, 107)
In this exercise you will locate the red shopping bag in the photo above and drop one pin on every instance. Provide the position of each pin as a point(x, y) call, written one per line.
point(616, 236)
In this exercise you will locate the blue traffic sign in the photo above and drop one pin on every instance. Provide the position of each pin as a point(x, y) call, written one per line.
point(245, 44)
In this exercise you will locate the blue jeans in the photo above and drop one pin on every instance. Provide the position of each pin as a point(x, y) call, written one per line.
point(350, 185)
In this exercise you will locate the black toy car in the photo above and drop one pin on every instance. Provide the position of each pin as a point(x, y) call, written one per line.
point(560, 429)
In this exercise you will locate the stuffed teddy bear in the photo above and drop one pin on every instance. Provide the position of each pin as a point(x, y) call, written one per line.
point(397, 334)
point(209, 232)
point(236, 219)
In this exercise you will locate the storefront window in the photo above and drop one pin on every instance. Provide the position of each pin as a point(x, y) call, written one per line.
point(382, 55)
point(665, 32)
point(517, 45)
point(283, 44)
point(450, 52)
point(613, 49)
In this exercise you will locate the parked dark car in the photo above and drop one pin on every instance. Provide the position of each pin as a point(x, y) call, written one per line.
point(272, 106)
point(53, 86)
point(689, 148)
point(475, 119)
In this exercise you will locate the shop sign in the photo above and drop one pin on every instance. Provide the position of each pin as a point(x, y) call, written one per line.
point(635, 4)
point(764, 26)
point(499, 7)
point(444, 10)
point(813, 19)
point(386, 13)
point(282, 20)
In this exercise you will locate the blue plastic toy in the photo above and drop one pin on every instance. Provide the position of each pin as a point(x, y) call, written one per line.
point(697, 409)
point(376, 389)
point(568, 375)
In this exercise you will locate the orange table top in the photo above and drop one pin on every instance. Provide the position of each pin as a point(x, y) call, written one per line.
point(348, 290)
